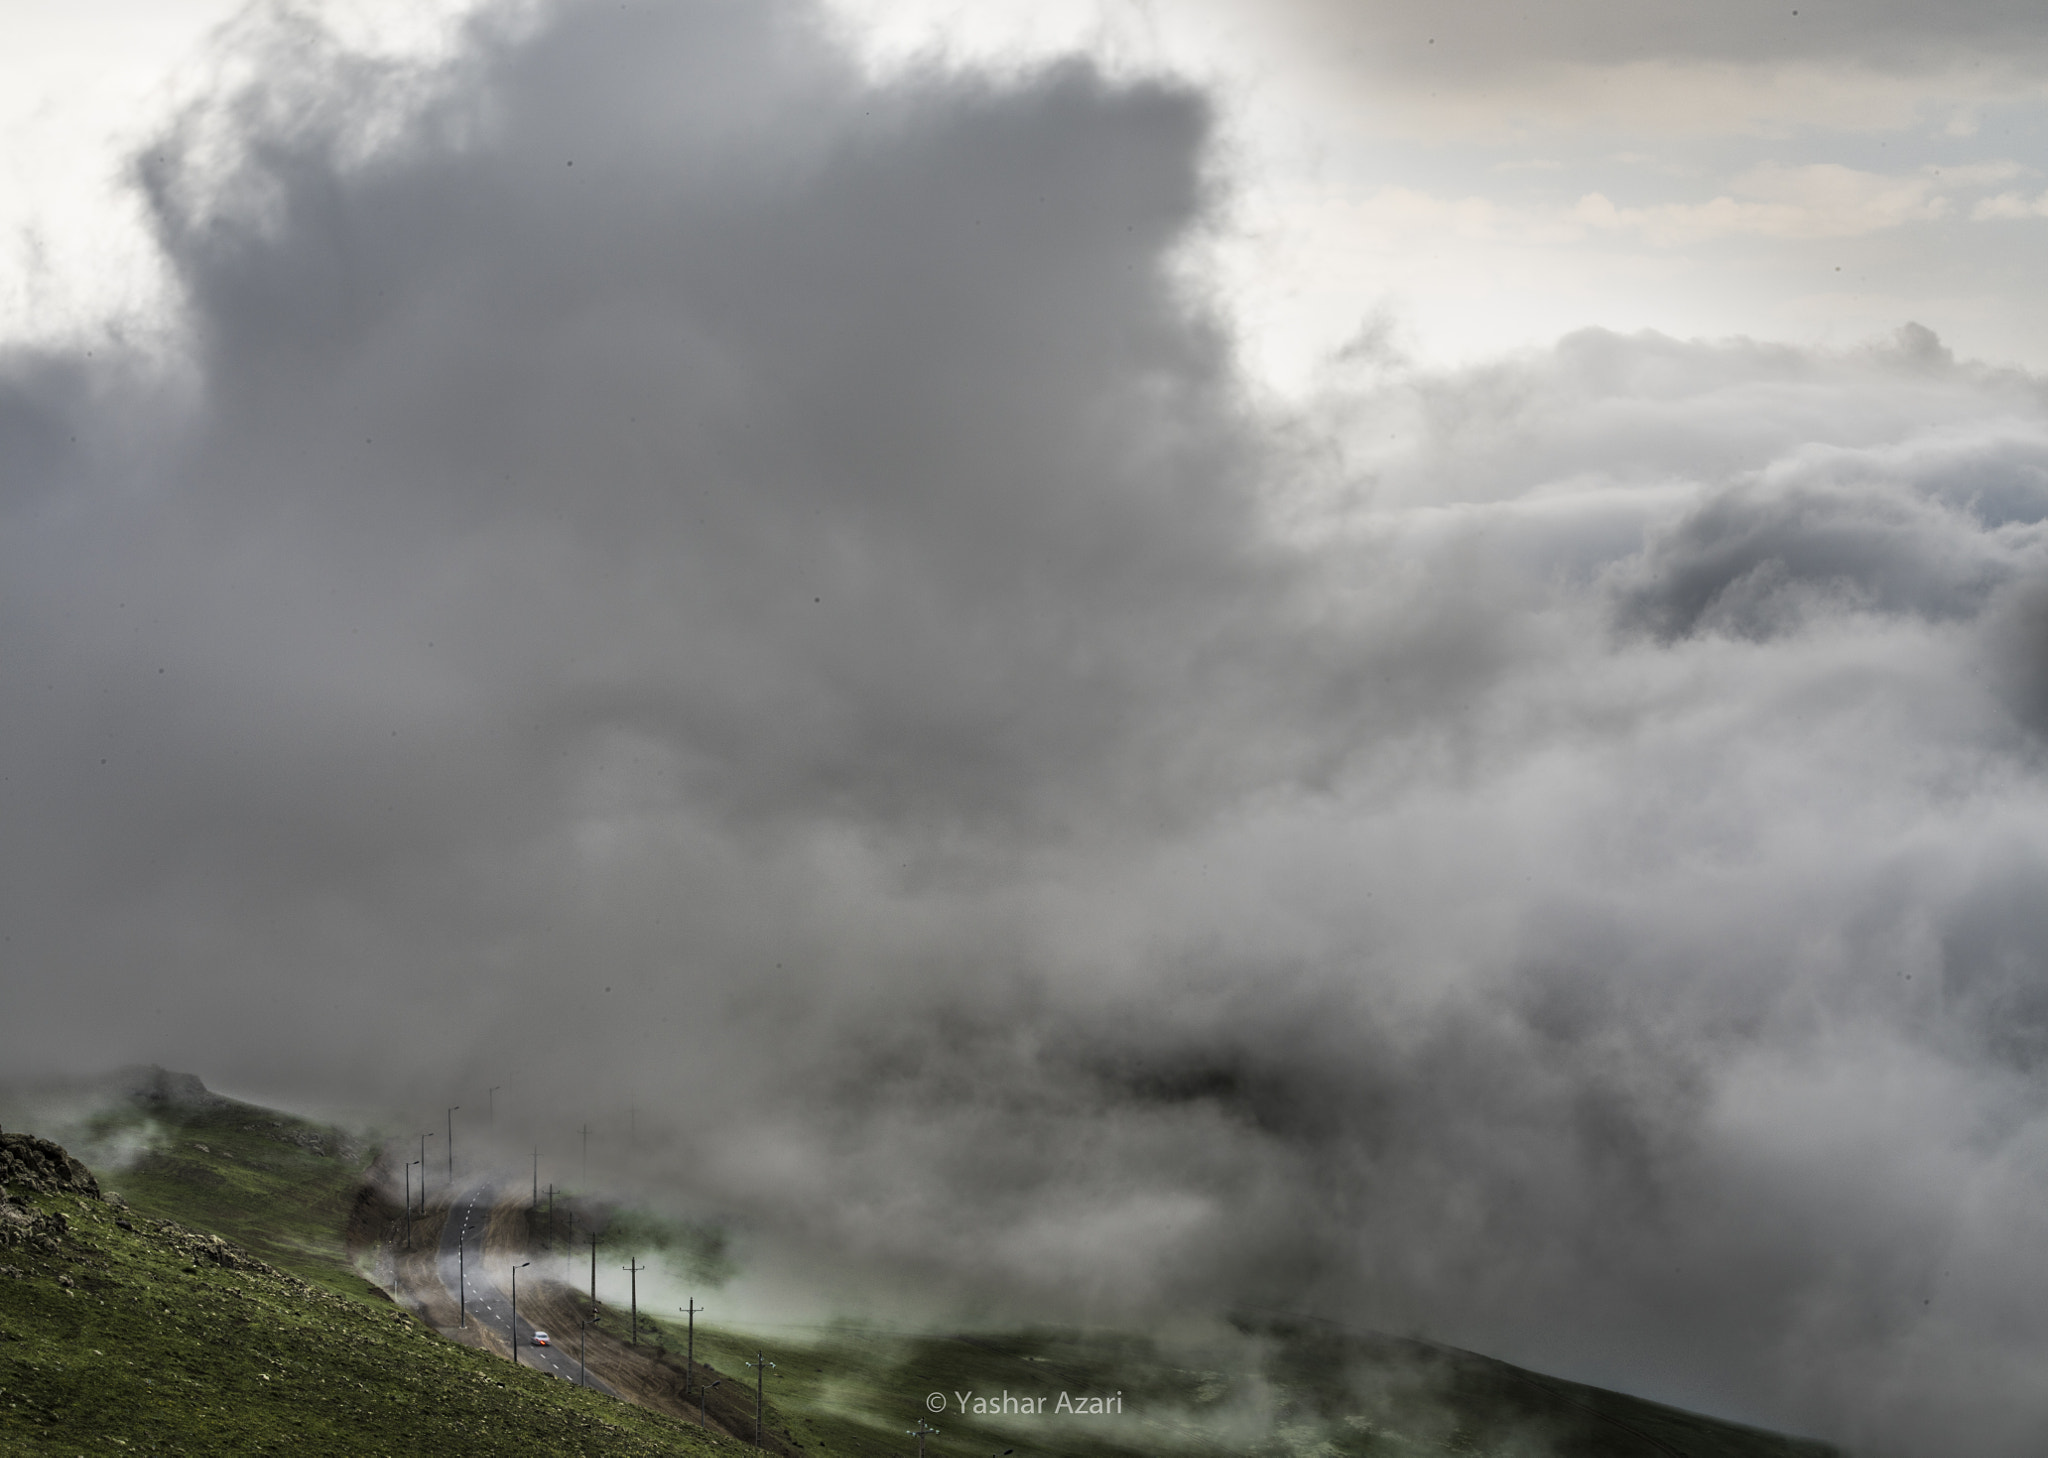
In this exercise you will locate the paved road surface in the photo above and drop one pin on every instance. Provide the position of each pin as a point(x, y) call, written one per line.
point(462, 1265)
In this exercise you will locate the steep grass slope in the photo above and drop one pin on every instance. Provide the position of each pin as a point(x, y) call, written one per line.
point(129, 1328)
point(119, 1332)
point(281, 1186)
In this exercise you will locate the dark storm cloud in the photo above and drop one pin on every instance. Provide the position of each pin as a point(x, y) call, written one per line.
point(668, 572)
point(891, 380)
point(1936, 528)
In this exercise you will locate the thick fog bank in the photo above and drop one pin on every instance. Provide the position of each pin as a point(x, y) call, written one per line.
point(698, 585)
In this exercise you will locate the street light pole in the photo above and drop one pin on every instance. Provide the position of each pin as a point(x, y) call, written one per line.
point(515, 1309)
point(451, 1145)
point(462, 1278)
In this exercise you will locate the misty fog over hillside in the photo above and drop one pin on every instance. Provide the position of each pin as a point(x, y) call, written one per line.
point(660, 563)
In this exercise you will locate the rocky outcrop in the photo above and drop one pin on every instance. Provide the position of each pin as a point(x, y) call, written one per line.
point(32, 1166)
point(29, 1165)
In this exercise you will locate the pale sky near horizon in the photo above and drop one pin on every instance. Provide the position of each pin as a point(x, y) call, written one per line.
point(1781, 172)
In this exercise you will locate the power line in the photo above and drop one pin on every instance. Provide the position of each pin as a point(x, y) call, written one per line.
point(690, 1351)
point(634, 1268)
point(761, 1364)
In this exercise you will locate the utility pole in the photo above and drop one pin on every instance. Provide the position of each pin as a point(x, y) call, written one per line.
point(451, 1146)
point(690, 1351)
point(515, 1309)
point(920, 1432)
point(761, 1366)
point(635, 1268)
point(593, 1268)
point(423, 1172)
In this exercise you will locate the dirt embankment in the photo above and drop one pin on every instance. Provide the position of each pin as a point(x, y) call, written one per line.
point(397, 1249)
point(647, 1373)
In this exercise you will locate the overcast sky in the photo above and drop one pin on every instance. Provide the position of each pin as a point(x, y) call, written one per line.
point(1487, 174)
point(1111, 662)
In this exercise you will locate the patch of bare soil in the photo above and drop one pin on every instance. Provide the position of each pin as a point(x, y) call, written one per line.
point(644, 1374)
point(652, 1375)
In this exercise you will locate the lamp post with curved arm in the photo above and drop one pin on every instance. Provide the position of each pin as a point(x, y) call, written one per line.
point(515, 1309)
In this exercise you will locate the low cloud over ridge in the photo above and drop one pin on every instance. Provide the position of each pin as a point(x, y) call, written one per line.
point(670, 558)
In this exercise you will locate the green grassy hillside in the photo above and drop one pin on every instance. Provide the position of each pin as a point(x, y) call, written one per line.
point(130, 1329)
point(123, 1333)
point(281, 1186)
point(1379, 1395)
point(1290, 1390)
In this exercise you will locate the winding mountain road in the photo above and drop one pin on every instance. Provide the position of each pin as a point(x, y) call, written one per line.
point(462, 1269)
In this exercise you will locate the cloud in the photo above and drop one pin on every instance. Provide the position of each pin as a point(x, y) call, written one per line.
point(2008, 205)
point(671, 572)
point(1772, 200)
point(1818, 200)
point(1483, 68)
point(1486, 36)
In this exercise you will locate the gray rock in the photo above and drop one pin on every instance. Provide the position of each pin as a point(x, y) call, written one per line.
point(37, 1165)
